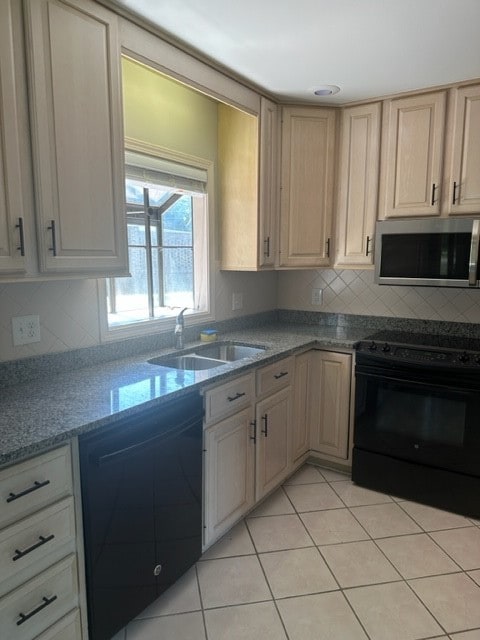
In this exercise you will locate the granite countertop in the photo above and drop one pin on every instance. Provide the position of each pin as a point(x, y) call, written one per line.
point(41, 413)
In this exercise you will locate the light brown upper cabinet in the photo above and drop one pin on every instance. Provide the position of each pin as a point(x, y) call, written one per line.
point(12, 122)
point(307, 183)
point(412, 155)
point(248, 184)
point(462, 170)
point(73, 68)
point(357, 180)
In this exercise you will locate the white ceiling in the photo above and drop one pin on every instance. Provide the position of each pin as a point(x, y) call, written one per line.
point(369, 48)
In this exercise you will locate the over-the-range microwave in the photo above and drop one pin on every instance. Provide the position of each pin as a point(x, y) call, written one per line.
point(440, 252)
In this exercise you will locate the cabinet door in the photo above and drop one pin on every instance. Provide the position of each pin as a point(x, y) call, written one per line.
point(308, 146)
point(273, 420)
point(463, 156)
point(331, 411)
point(229, 473)
point(11, 191)
point(301, 405)
point(412, 155)
point(238, 188)
point(77, 136)
point(358, 174)
point(268, 192)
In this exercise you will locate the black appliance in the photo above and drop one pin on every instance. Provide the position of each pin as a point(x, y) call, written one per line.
point(142, 509)
point(417, 419)
point(441, 252)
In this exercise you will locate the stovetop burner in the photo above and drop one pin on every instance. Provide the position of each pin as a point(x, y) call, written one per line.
point(435, 349)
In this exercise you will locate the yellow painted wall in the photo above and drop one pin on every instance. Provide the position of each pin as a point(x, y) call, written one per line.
point(160, 111)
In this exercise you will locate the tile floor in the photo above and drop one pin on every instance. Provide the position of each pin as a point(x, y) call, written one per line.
point(323, 559)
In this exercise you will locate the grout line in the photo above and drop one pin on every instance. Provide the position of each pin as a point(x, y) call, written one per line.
point(201, 601)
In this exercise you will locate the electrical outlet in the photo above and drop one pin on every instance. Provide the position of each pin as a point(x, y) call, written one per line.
point(317, 296)
point(25, 329)
point(237, 301)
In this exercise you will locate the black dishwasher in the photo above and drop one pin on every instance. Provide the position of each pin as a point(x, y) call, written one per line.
point(142, 509)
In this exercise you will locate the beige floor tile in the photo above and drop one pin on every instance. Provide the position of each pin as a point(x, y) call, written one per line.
point(432, 519)
point(297, 572)
point(453, 599)
point(392, 612)
point(416, 556)
point(313, 497)
point(358, 563)
point(332, 526)
point(275, 533)
point(229, 581)
point(355, 496)
point(183, 596)
point(475, 575)
point(307, 474)
point(382, 520)
point(245, 622)
point(463, 545)
point(333, 476)
point(187, 626)
point(236, 542)
point(325, 616)
point(275, 505)
point(467, 635)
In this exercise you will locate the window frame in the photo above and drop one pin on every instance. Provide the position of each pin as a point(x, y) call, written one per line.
point(203, 255)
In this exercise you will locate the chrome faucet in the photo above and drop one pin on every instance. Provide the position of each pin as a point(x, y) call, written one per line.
point(179, 327)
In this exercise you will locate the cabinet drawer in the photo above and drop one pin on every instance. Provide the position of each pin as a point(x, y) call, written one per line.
point(31, 485)
point(275, 376)
point(36, 605)
point(35, 543)
point(229, 398)
point(68, 628)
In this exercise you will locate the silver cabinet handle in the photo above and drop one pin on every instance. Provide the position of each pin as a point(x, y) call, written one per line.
point(473, 262)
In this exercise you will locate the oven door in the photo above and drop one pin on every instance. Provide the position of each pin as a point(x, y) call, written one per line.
point(418, 413)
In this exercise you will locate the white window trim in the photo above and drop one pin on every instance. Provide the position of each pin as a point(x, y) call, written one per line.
point(146, 327)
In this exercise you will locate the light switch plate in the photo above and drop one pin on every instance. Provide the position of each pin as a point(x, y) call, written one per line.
point(25, 329)
point(317, 296)
point(237, 301)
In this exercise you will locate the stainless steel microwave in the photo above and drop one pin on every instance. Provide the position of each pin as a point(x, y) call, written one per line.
point(435, 253)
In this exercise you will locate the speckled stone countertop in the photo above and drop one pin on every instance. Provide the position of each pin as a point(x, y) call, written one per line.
point(41, 413)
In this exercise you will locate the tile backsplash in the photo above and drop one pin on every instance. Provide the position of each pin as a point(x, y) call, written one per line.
point(354, 292)
point(69, 309)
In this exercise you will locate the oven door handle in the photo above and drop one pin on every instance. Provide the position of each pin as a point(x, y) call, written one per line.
point(473, 262)
point(435, 383)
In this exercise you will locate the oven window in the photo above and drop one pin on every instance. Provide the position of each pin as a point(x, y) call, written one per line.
point(421, 417)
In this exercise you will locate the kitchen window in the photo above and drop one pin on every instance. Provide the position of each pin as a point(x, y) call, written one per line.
point(167, 230)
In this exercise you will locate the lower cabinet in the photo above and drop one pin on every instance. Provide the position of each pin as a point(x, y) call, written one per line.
point(330, 403)
point(259, 427)
point(273, 422)
point(39, 570)
point(229, 472)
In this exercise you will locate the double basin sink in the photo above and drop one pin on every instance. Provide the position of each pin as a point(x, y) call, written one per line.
point(207, 356)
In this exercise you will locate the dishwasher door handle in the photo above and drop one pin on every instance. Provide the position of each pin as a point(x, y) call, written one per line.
point(119, 453)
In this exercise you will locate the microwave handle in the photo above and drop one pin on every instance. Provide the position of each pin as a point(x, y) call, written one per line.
point(472, 266)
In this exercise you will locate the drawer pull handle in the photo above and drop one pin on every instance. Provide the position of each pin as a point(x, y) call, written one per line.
point(36, 485)
point(277, 376)
point(236, 396)
point(41, 541)
point(265, 422)
point(23, 617)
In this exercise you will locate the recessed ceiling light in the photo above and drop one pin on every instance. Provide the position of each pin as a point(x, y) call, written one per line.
point(326, 90)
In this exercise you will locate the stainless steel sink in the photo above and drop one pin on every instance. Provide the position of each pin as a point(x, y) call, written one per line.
point(189, 362)
point(207, 356)
point(228, 351)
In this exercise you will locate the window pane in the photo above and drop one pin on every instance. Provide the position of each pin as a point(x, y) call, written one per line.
point(134, 191)
point(136, 233)
point(177, 223)
point(178, 277)
point(131, 293)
